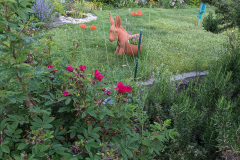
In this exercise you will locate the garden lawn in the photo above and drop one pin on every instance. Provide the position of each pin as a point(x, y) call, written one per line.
point(170, 37)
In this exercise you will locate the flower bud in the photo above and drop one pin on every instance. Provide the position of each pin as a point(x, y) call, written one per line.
point(75, 149)
point(41, 141)
point(1, 140)
point(115, 151)
point(82, 152)
point(108, 146)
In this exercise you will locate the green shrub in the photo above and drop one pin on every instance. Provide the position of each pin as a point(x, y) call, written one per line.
point(205, 114)
point(51, 110)
point(210, 24)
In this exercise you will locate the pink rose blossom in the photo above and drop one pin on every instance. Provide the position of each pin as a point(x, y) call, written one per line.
point(65, 93)
point(49, 66)
point(98, 75)
point(122, 89)
point(82, 67)
point(70, 68)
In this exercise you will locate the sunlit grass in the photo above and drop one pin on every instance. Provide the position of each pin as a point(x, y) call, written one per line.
point(170, 37)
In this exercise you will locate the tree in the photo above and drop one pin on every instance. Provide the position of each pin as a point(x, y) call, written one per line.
point(228, 13)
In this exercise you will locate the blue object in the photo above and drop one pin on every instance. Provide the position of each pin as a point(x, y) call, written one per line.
point(202, 10)
point(139, 44)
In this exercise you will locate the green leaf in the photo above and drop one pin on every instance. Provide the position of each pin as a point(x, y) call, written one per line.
point(95, 135)
point(124, 155)
point(151, 150)
point(55, 146)
point(52, 96)
point(49, 120)
point(45, 96)
point(63, 109)
point(101, 115)
point(95, 130)
point(61, 99)
point(37, 119)
point(1, 153)
point(27, 10)
point(85, 132)
point(49, 103)
point(72, 134)
point(22, 146)
point(5, 149)
point(92, 113)
point(109, 112)
point(90, 129)
point(134, 139)
point(68, 101)
point(44, 148)
point(87, 146)
point(60, 138)
point(47, 126)
point(129, 153)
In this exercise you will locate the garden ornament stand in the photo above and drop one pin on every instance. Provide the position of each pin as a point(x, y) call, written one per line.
point(202, 9)
point(116, 30)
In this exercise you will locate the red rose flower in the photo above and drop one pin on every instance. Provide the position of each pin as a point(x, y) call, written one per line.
point(49, 66)
point(65, 93)
point(122, 89)
point(108, 93)
point(98, 75)
point(82, 67)
point(70, 68)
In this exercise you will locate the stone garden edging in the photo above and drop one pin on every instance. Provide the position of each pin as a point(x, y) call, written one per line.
point(62, 19)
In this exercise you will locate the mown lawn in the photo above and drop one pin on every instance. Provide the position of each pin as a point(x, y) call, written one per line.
point(170, 38)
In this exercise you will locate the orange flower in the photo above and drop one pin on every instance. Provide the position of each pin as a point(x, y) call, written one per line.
point(83, 26)
point(93, 27)
point(139, 12)
point(134, 129)
point(133, 13)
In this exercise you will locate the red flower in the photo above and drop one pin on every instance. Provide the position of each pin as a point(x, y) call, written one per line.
point(122, 89)
point(139, 12)
point(98, 75)
point(83, 26)
point(133, 13)
point(70, 68)
point(82, 67)
point(108, 92)
point(93, 27)
point(49, 66)
point(65, 93)
point(28, 31)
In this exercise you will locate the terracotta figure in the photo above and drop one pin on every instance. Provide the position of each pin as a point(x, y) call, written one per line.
point(124, 46)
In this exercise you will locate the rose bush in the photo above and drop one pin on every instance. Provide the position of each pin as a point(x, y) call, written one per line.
point(50, 111)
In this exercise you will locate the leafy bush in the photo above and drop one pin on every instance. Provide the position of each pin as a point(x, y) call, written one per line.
point(178, 4)
point(166, 3)
point(52, 111)
point(210, 24)
point(205, 114)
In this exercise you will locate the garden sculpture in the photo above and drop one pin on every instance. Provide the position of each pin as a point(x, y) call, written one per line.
point(202, 9)
point(116, 30)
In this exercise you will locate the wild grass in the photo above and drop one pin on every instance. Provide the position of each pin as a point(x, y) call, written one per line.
point(170, 37)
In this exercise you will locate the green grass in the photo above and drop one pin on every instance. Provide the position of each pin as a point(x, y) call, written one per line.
point(170, 38)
